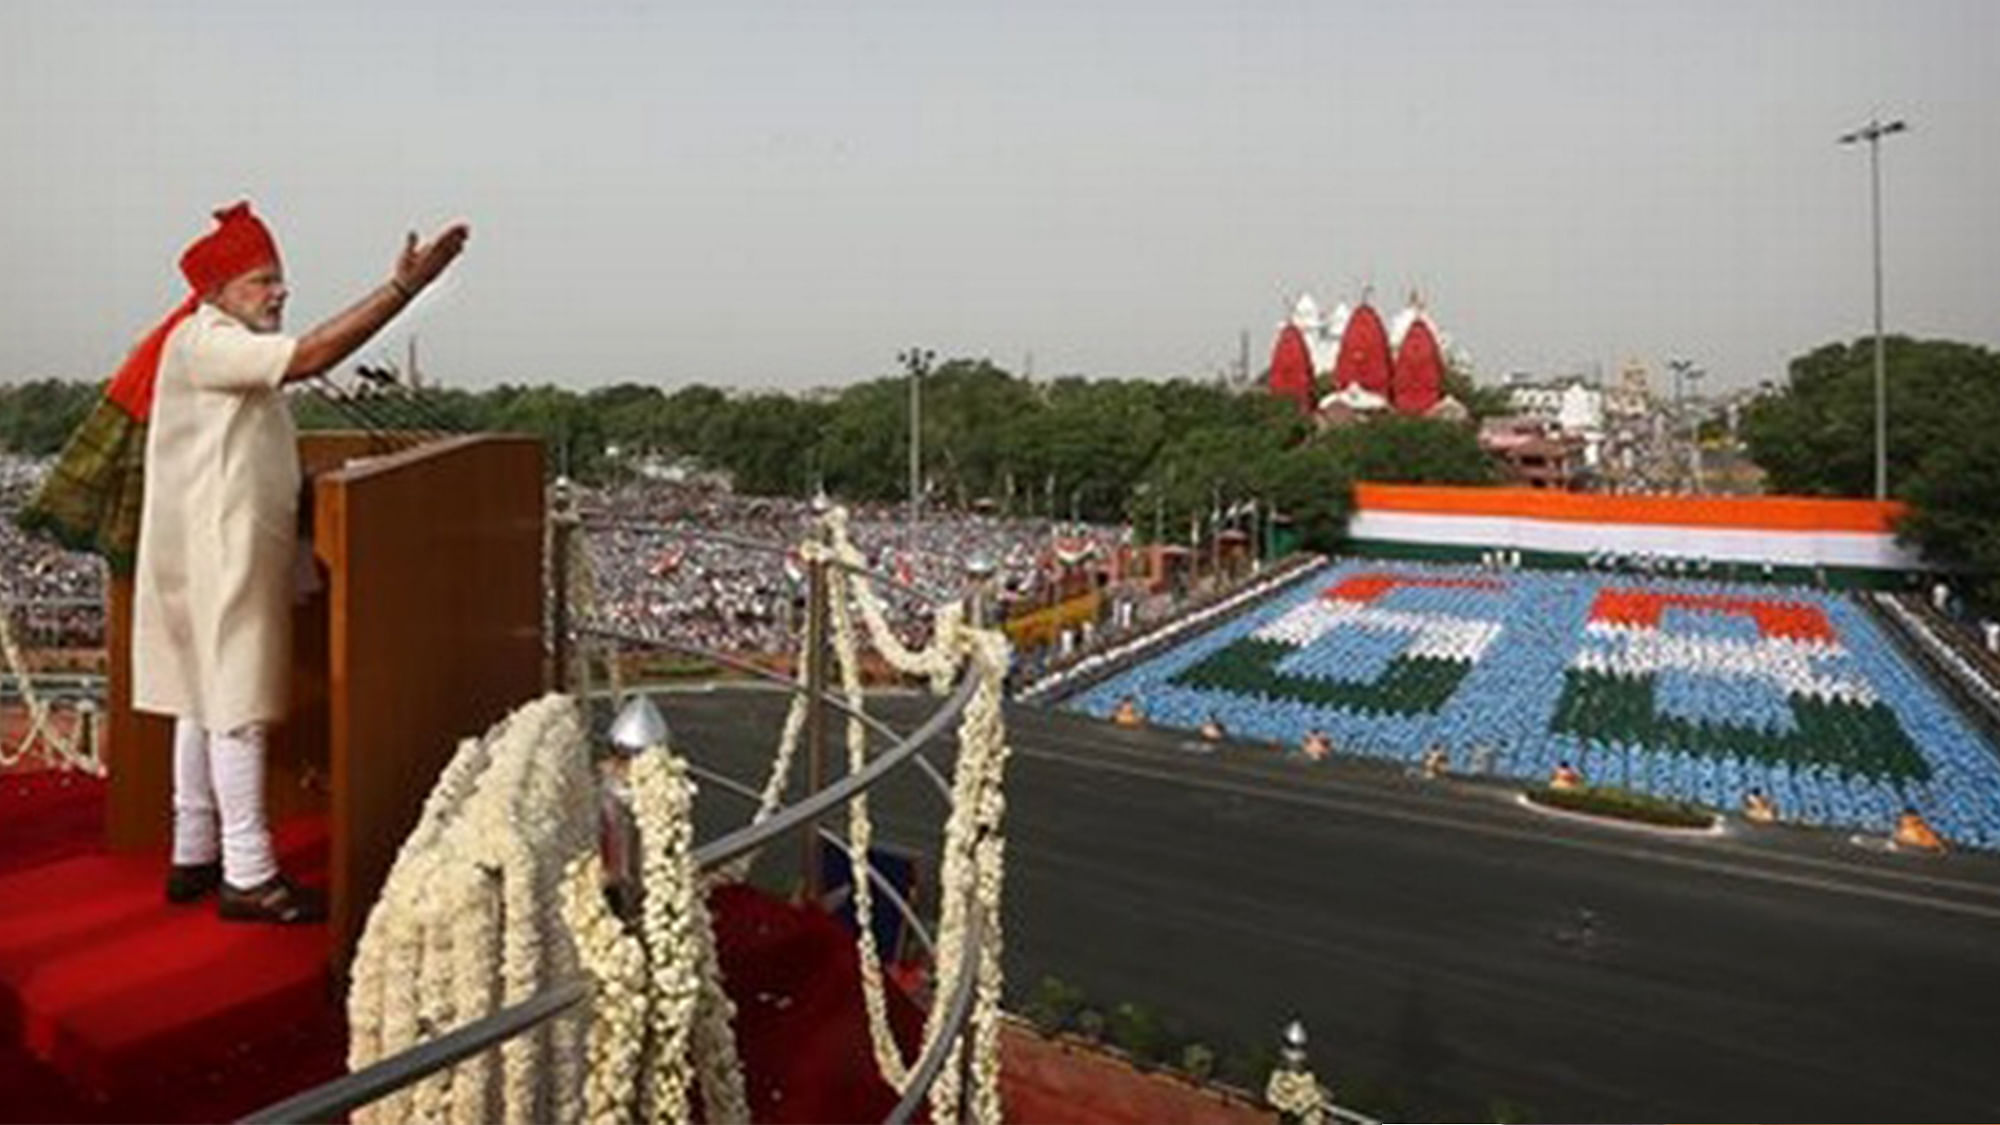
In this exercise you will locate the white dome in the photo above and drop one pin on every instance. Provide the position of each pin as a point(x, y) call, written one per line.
point(1305, 313)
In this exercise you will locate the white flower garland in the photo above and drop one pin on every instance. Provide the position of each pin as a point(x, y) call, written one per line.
point(617, 962)
point(860, 839)
point(475, 948)
point(972, 881)
point(466, 923)
point(662, 1020)
point(1297, 1093)
point(779, 779)
point(663, 802)
point(973, 865)
point(430, 1097)
point(720, 1071)
point(78, 750)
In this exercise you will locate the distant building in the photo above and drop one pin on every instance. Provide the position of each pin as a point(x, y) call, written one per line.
point(1580, 409)
point(1399, 368)
point(1631, 397)
point(1532, 455)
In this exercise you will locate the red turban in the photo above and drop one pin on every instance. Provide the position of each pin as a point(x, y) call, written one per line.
point(239, 243)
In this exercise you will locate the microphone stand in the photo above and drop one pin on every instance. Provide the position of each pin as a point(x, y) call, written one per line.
point(354, 410)
point(409, 397)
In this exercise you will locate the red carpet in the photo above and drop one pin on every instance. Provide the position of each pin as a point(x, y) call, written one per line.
point(47, 815)
point(115, 1006)
point(800, 1024)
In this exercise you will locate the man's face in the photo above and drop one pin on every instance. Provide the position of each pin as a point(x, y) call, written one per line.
point(256, 298)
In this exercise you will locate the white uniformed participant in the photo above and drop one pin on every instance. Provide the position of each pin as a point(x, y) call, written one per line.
point(211, 619)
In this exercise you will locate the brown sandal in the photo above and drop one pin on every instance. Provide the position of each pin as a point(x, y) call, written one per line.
point(277, 900)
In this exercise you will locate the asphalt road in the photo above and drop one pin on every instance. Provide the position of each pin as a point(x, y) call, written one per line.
point(1428, 933)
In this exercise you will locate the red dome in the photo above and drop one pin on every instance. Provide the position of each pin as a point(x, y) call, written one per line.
point(1364, 353)
point(1292, 369)
point(1419, 370)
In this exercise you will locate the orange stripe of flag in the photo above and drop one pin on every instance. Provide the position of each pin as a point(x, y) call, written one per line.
point(1750, 513)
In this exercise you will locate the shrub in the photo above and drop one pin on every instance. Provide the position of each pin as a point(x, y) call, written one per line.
point(1624, 804)
point(1138, 1030)
point(1090, 1024)
point(1248, 1067)
point(1053, 1005)
point(1197, 1061)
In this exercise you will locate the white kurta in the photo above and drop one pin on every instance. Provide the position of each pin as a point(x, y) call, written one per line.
point(212, 608)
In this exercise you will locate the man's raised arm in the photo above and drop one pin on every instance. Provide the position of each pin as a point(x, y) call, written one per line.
point(342, 334)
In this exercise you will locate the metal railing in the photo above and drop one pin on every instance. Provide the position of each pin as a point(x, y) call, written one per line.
point(336, 1098)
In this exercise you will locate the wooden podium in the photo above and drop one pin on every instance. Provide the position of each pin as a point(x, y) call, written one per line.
point(428, 629)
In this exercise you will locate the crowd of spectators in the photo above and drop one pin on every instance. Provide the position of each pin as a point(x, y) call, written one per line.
point(652, 573)
point(55, 595)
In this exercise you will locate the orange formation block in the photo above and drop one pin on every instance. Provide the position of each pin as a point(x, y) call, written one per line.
point(1913, 832)
point(1759, 808)
point(1435, 762)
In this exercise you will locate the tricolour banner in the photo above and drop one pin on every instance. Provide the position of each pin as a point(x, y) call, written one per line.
point(1785, 530)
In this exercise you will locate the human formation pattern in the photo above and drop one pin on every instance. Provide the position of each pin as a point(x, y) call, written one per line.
point(1693, 690)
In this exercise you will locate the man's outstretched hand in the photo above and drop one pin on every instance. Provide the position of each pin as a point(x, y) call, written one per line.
point(420, 263)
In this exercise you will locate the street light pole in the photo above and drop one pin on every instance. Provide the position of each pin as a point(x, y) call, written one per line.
point(1873, 132)
point(917, 362)
point(1682, 370)
point(1694, 376)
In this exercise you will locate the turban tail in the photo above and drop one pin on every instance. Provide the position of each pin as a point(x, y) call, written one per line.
point(92, 497)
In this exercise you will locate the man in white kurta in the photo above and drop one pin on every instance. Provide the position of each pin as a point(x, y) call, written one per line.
point(211, 619)
point(212, 613)
point(218, 542)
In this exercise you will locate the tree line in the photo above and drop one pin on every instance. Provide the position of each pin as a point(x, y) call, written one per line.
point(1816, 436)
point(1160, 454)
point(1164, 453)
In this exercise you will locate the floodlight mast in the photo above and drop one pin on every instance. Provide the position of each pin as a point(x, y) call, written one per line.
point(1872, 133)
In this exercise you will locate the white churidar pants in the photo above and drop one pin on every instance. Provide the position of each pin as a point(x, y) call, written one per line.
point(219, 802)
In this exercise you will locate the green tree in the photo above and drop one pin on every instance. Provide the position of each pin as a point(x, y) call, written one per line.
point(1955, 503)
point(1816, 436)
point(1404, 450)
point(1479, 401)
point(1313, 486)
point(572, 432)
point(770, 442)
point(629, 415)
point(36, 417)
point(686, 418)
point(863, 448)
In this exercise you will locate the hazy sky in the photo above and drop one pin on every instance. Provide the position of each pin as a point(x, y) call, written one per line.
point(786, 194)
